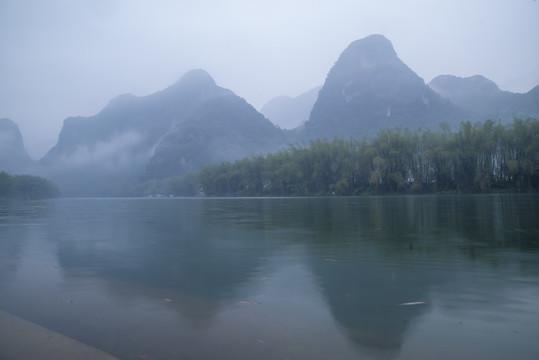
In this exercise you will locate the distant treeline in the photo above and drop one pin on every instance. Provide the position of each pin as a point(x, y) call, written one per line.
point(26, 186)
point(481, 157)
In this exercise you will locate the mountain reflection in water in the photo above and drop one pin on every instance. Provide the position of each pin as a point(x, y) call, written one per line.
point(291, 277)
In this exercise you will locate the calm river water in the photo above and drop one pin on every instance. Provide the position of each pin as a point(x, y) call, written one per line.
point(279, 278)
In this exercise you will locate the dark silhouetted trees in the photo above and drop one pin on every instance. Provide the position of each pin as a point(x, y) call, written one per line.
point(26, 186)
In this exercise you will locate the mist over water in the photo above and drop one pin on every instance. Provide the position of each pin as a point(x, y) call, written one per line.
point(69, 59)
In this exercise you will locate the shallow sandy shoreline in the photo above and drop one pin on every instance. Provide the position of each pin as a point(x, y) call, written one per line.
point(21, 340)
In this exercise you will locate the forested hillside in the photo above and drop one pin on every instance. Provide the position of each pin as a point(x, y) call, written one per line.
point(26, 186)
point(483, 157)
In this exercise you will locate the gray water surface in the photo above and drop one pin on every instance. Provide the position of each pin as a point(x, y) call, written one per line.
point(279, 278)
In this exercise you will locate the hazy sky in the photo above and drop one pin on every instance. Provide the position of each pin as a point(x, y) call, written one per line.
point(63, 58)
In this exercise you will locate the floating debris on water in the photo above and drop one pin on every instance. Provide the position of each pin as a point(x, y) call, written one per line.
point(413, 303)
point(249, 302)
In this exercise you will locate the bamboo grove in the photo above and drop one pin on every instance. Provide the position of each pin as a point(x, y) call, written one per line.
point(482, 157)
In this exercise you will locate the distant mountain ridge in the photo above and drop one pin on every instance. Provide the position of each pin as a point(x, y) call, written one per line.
point(149, 117)
point(13, 156)
point(290, 113)
point(195, 122)
point(483, 99)
point(132, 137)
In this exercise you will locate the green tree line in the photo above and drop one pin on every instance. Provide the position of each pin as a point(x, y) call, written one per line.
point(26, 186)
point(478, 157)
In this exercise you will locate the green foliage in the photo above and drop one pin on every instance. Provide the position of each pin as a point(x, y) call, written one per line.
point(6, 184)
point(26, 186)
point(477, 158)
point(186, 185)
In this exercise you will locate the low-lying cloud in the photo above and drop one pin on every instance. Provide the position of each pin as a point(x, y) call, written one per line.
point(116, 154)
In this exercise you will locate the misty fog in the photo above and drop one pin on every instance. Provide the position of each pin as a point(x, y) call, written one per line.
point(62, 59)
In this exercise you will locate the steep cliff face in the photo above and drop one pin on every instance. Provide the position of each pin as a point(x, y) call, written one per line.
point(130, 125)
point(370, 88)
point(226, 128)
point(97, 155)
point(13, 157)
